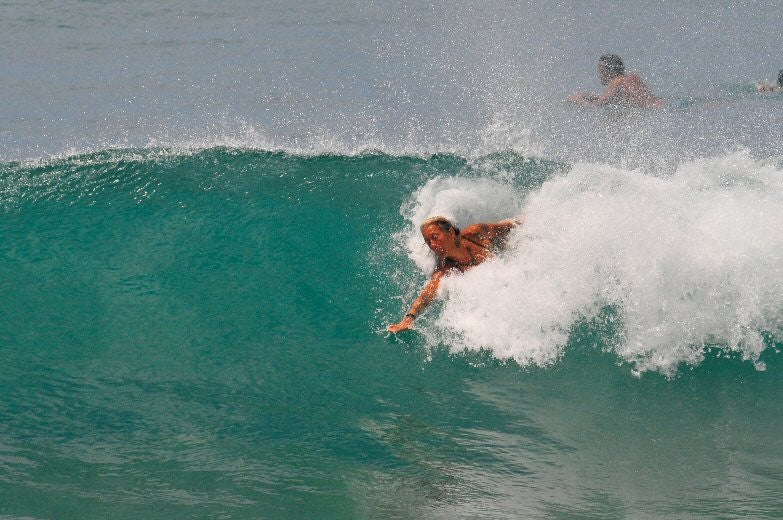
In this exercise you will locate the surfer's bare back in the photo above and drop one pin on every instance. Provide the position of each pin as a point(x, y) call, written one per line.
point(456, 251)
point(622, 88)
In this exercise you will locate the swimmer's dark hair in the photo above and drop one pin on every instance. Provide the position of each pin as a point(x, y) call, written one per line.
point(442, 222)
point(613, 64)
point(780, 78)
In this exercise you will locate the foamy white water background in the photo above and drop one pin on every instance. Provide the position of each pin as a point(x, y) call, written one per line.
point(690, 259)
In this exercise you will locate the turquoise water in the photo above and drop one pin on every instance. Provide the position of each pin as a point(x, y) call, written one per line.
point(200, 334)
point(209, 218)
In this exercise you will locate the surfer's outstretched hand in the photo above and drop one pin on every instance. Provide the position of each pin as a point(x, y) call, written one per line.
point(405, 324)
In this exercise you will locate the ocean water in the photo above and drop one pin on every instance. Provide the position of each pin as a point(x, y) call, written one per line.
point(210, 216)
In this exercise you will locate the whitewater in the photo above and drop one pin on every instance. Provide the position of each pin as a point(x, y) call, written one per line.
point(689, 260)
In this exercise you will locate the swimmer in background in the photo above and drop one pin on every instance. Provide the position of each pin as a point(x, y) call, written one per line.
point(764, 87)
point(621, 89)
point(456, 251)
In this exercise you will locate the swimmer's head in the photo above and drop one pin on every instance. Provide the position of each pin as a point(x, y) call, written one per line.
point(440, 235)
point(780, 78)
point(442, 222)
point(610, 66)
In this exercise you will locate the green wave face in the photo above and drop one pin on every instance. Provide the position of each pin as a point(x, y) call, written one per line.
point(201, 333)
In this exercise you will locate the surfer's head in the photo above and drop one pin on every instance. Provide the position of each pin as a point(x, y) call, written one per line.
point(610, 66)
point(440, 234)
point(442, 222)
point(780, 78)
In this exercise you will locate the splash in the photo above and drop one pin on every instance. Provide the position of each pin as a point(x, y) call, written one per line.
point(689, 260)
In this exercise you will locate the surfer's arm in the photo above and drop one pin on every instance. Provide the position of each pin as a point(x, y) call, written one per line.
point(490, 232)
point(427, 295)
point(503, 228)
point(583, 99)
point(608, 96)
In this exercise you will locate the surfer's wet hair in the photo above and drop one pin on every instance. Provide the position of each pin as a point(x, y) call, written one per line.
point(780, 78)
point(442, 222)
point(613, 64)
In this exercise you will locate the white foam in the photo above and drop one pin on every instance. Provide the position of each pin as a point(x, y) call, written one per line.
point(690, 259)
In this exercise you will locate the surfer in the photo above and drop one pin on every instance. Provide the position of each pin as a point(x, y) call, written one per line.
point(625, 89)
point(456, 251)
point(764, 87)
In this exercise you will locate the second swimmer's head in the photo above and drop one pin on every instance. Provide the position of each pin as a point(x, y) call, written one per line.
point(610, 66)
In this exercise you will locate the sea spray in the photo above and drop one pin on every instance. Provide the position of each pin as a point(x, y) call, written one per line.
point(689, 260)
